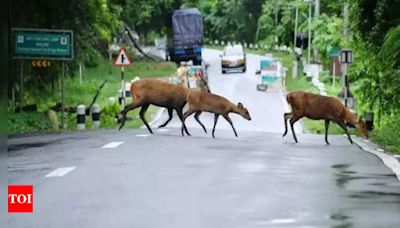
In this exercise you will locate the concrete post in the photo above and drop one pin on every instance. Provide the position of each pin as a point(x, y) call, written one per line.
point(80, 117)
point(96, 116)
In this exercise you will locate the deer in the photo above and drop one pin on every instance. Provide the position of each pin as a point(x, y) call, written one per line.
point(318, 107)
point(202, 101)
point(202, 85)
point(162, 94)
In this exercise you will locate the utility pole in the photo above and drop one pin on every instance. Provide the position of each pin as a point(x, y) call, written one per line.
point(309, 31)
point(345, 31)
point(316, 15)
point(346, 21)
point(276, 23)
point(295, 27)
point(295, 63)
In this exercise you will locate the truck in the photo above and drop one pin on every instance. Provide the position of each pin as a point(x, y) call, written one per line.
point(185, 36)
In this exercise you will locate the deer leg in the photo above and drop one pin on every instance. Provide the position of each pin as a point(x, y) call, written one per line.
point(230, 122)
point(215, 124)
point(196, 116)
point(292, 121)
point(183, 118)
point(170, 110)
point(142, 113)
point(122, 115)
point(286, 116)
point(326, 131)
point(343, 126)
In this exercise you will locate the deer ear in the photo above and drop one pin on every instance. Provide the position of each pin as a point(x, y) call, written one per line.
point(240, 105)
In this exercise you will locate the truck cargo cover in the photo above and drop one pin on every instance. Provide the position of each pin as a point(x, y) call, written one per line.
point(187, 27)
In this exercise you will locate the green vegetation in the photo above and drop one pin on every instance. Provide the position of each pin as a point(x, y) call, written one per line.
point(388, 135)
point(76, 93)
point(27, 122)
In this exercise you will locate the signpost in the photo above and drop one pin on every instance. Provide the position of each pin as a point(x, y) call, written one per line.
point(122, 60)
point(41, 63)
point(43, 44)
point(346, 57)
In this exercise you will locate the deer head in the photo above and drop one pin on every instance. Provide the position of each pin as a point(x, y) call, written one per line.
point(243, 111)
point(362, 127)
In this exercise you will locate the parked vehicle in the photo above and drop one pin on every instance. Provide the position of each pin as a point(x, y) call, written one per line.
point(233, 58)
point(185, 36)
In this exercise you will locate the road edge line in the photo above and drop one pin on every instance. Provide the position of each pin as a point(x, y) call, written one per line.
point(388, 159)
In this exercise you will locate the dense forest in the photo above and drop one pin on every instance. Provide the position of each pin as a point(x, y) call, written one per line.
point(373, 28)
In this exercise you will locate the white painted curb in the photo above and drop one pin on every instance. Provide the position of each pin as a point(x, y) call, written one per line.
point(388, 159)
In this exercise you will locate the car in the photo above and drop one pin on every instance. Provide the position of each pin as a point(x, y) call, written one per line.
point(233, 58)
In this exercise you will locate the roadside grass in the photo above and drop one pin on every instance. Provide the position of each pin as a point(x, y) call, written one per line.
point(27, 122)
point(76, 94)
point(388, 135)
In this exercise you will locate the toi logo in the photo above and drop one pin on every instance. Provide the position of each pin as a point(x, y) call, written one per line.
point(20, 198)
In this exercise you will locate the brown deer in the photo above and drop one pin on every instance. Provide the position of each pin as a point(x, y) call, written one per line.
point(163, 94)
point(202, 85)
point(319, 107)
point(200, 101)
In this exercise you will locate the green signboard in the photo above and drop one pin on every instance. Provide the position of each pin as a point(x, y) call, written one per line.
point(42, 44)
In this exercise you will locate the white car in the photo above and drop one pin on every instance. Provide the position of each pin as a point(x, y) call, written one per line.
point(233, 58)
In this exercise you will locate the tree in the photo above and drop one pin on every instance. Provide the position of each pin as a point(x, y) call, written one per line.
point(92, 21)
point(231, 20)
point(377, 67)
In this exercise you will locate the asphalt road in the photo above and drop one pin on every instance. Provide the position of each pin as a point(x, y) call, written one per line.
point(266, 108)
point(166, 180)
point(132, 179)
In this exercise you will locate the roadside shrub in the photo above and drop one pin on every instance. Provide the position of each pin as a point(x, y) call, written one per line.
point(388, 134)
point(27, 122)
point(108, 116)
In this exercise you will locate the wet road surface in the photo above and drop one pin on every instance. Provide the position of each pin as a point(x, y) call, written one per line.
point(133, 179)
point(166, 180)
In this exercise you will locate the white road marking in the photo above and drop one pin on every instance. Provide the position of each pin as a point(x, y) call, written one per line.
point(143, 135)
point(60, 171)
point(282, 221)
point(252, 167)
point(111, 145)
point(396, 156)
point(163, 130)
point(380, 150)
point(277, 221)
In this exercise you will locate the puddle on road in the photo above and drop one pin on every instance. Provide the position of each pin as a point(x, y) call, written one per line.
point(341, 220)
point(376, 194)
point(27, 145)
point(382, 191)
point(341, 166)
point(344, 175)
point(28, 167)
point(22, 146)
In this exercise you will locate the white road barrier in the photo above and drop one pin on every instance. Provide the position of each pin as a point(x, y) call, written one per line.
point(96, 116)
point(80, 117)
